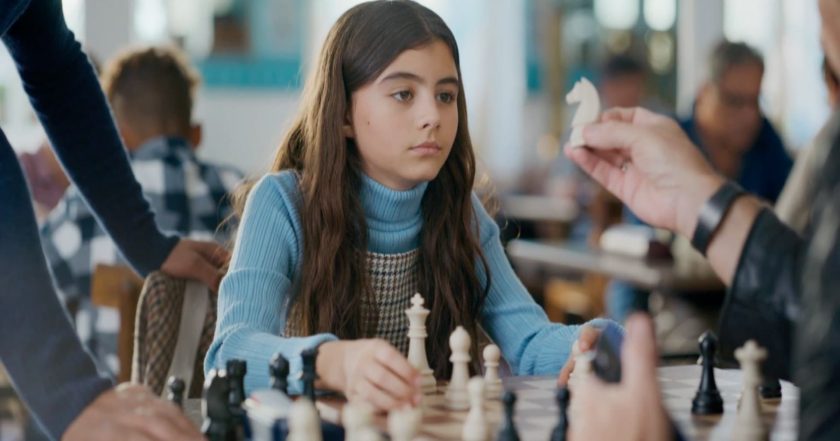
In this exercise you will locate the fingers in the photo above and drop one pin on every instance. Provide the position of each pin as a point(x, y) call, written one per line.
point(611, 135)
point(212, 251)
point(563, 376)
point(390, 384)
point(638, 358)
point(399, 365)
point(602, 170)
point(377, 397)
point(587, 337)
point(625, 114)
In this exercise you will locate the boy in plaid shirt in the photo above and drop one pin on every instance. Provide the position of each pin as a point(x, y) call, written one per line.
point(151, 93)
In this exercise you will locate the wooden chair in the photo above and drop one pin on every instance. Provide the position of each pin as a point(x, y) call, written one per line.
point(175, 323)
point(115, 286)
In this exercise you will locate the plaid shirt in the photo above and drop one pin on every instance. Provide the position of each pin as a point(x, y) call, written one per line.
point(189, 197)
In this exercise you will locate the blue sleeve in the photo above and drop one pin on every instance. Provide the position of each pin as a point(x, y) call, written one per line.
point(65, 93)
point(254, 295)
point(530, 343)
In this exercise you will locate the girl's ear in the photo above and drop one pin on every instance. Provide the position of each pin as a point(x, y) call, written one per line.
point(348, 125)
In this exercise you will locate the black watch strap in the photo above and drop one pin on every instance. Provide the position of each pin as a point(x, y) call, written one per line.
point(712, 213)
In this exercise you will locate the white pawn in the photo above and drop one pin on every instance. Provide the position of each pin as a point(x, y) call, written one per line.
point(356, 416)
point(304, 423)
point(417, 343)
point(492, 382)
point(475, 426)
point(403, 423)
point(749, 425)
point(456, 391)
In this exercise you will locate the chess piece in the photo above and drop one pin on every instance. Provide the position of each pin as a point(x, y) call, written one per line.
point(562, 398)
point(492, 382)
point(278, 369)
point(475, 426)
point(707, 400)
point(217, 425)
point(749, 425)
point(308, 375)
point(304, 423)
point(356, 416)
point(403, 424)
point(176, 387)
point(417, 343)
point(508, 429)
point(587, 112)
point(236, 370)
point(456, 391)
point(771, 389)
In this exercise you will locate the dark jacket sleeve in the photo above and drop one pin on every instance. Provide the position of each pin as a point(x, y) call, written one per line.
point(763, 302)
point(45, 360)
point(65, 93)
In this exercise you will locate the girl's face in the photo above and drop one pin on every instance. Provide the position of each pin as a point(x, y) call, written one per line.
point(404, 122)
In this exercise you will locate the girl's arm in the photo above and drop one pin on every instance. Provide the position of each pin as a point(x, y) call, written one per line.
point(531, 344)
point(254, 295)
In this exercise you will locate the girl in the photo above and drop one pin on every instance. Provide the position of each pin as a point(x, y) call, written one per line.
point(370, 201)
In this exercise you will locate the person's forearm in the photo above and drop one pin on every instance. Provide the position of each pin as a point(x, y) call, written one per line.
point(727, 244)
point(728, 241)
point(69, 102)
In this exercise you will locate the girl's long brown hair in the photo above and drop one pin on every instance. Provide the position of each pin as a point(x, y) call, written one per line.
point(333, 277)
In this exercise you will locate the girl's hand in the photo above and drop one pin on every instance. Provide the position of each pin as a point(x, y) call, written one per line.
point(587, 337)
point(648, 162)
point(370, 370)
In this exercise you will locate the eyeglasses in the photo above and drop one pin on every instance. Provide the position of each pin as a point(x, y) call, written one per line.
point(737, 101)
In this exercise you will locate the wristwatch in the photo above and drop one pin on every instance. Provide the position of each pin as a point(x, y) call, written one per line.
point(712, 214)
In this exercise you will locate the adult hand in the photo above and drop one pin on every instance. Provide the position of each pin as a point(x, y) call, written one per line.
point(370, 370)
point(587, 337)
point(131, 412)
point(647, 161)
point(636, 401)
point(196, 260)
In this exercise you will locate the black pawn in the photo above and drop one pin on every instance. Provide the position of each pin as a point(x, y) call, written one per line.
point(771, 388)
point(562, 398)
point(278, 369)
point(217, 424)
point(707, 401)
point(176, 387)
point(508, 430)
point(236, 370)
point(309, 376)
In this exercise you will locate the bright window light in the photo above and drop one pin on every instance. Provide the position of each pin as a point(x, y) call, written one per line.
point(660, 15)
point(617, 14)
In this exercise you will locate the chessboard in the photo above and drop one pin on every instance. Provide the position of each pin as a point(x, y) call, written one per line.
point(536, 411)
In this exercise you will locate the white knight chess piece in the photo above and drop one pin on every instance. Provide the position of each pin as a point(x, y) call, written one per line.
point(588, 110)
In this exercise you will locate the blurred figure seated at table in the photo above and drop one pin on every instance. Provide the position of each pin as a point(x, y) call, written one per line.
point(151, 91)
point(729, 128)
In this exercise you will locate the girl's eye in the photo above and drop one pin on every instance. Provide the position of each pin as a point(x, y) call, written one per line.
point(402, 96)
point(446, 97)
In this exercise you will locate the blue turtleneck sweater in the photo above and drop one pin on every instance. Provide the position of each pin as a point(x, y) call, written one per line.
point(254, 294)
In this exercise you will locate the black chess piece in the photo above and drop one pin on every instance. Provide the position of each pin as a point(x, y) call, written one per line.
point(236, 370)
point(176, 387)
point(562, 398)
point(707, 401)
point(770, 388)
point(309, 375)
point(217, 424)
point(508, 430)
point(278, 369)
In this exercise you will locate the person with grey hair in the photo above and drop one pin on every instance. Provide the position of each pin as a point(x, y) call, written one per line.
point(740, 143)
